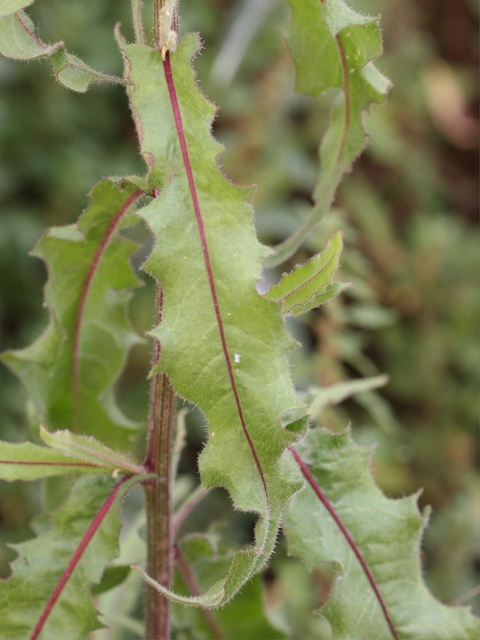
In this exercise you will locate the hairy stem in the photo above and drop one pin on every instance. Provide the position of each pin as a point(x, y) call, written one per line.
point(158, 495)
point(366, 569)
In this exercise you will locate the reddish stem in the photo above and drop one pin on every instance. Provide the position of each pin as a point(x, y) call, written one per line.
point(324, 500)
point(84, 295)
point(158, 494)
point(206, 255)
point(346, 82)
point(96, 522)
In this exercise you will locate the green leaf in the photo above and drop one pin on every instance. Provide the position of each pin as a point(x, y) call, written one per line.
point(11, 6)
point(28, 461)
point(322, 397)
point(69, 372)
point(112, 577)
point(232, 364)
point(18, 41)
point(310, 285)
point(88, 449)
point(42, 561)
point(206, 557)
point(332, 46)
point(387, 533)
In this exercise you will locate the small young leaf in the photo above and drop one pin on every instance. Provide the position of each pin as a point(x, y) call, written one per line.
point(43, 560)
point(70, 370)
point(88, 449)
point(28, 461)
point(332, 46)
point(310, 285)
point(387, 534)
point(18, 41)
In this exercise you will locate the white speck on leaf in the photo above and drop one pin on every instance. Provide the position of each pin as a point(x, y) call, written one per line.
point(237, 357)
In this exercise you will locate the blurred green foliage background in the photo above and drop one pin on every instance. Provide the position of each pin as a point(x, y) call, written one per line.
point(408, 211)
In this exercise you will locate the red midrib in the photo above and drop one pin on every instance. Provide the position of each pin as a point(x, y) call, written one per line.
point(351, 542)
point(96, 522)
point(206, 255)
point(84, 295)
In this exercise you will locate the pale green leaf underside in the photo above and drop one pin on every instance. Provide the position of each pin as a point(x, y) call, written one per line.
point(310, 285)
point(43, 560)
point(11, 6)
point(47, 367)
point(88, 449)
point(387, 533)
point(192, 354)
point(18, 41)
point(28, 461)
point(209, 556)
point(333, 47)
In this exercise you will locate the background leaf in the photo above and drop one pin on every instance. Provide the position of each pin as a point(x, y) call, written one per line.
point(387, 532)
point(43, 560)
point(18, 41)
point(70, 370)
point(332, 46)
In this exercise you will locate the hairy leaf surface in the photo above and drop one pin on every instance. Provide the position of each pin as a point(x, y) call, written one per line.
point(70, 370)
point(18, 41)
point(204, 557)
point(224, 347)
point(88, 449)
point(332, 46)
point(42, 561)
point(387, 533)
point(310, 285)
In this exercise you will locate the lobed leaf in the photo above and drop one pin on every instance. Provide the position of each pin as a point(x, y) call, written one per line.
point(387, 534)
point(28, 461)
point(311, 284)
point(69, 372)
point(224, 347)
point(18, 41)
point(43, 560)
point(332, 46)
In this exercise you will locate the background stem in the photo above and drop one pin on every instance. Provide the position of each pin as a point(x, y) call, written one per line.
point(137, 6)
point(158, 495)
